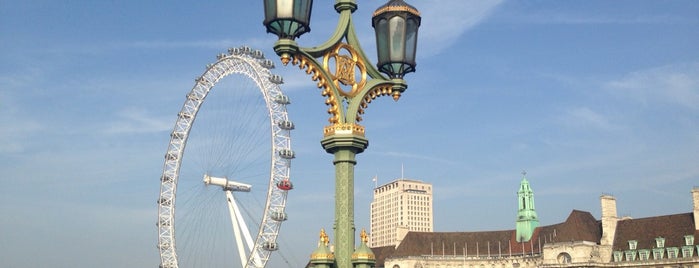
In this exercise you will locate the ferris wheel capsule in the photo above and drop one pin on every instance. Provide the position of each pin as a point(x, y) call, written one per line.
point(277, 79)
point(269, 64)
point(270, 246)
point(279, 216)
point(285, 185)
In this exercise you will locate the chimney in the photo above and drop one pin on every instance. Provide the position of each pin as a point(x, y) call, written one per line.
point(609, 218)
point(695, 198)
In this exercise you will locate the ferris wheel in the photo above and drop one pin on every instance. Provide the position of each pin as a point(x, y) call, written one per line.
point(226, 196)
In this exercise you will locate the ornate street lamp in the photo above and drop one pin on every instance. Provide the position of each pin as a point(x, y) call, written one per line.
point(396, 25)
point(349, 83)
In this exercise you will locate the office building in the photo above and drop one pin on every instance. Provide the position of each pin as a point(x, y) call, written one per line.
point(399, 207)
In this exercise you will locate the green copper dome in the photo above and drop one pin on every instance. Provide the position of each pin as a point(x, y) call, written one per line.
point(363, 256)
point(322, 254)
point(363, 252)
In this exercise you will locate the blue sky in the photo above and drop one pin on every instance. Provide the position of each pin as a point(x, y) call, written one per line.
point(588, 97)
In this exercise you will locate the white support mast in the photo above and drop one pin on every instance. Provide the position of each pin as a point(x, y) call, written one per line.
point(243, 239)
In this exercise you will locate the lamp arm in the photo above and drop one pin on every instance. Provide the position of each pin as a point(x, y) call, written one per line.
point(343, 24)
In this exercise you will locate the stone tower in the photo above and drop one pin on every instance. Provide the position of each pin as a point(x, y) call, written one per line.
point(609, 222)
point(527, 221)
point(609, 219)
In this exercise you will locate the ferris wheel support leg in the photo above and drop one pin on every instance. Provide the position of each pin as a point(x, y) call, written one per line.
point(244, 229)
point(236, 229)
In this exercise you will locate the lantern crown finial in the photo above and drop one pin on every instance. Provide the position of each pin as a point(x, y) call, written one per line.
point(397, 5)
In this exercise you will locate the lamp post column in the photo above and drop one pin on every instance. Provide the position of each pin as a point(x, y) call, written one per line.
point(344, 148)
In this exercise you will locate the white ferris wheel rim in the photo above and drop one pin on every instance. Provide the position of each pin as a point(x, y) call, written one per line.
point(252, 64)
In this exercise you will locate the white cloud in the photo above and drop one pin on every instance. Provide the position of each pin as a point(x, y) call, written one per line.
point(584, 117)
point(132, 120)
point(17, 128)
point(403, 155)
point(673, 84)
point(557, 17)
point(92, 49)
point(445, 21)
point(14, 135)
point(20, 78)
point(265, 41)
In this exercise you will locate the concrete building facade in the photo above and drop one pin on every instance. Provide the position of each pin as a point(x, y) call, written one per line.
point(400, 207)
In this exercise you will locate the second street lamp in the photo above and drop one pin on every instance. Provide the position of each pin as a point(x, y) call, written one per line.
point(288, 19)
point(396, 25)
point(349, 83)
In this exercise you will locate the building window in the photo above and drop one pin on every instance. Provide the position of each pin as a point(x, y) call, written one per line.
point(633, 244)
point(688, 240)
point(643, 254)
point(564, 258)
point(672, 252)
point(618, 255)
point(687, 251)
point(660, 242)
point(630, 255)
point(658, 253)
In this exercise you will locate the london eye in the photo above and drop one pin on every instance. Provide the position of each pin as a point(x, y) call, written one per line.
point(225, 178)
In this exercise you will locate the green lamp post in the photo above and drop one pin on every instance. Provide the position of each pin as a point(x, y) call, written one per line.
point(348, 82)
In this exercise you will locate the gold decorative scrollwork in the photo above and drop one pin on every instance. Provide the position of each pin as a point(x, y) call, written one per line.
point(345, 68)
point(316, 75)
point(347, 62)
point(382, 90)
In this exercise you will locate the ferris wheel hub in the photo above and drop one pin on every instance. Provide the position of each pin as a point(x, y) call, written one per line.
point(226, 184)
